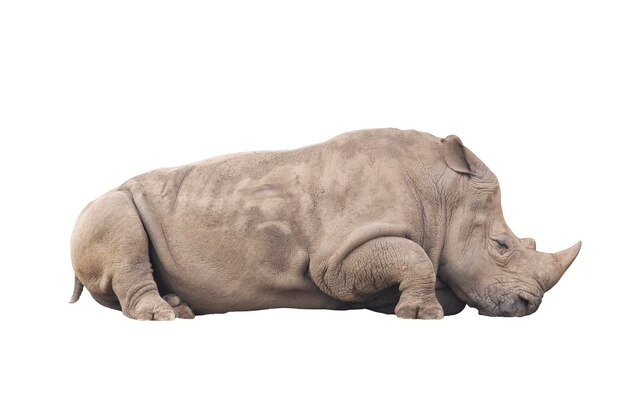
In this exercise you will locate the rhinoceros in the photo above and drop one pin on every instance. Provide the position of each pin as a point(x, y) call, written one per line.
point(389, 220)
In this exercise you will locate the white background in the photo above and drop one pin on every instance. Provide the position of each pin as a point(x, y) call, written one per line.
point(93, 93)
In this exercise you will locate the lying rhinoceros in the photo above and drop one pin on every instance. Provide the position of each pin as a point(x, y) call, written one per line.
point(389, 220)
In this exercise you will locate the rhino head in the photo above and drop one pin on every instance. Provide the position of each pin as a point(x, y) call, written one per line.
point(482, 260)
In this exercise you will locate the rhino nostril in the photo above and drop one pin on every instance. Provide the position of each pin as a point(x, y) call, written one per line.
point(524, 303)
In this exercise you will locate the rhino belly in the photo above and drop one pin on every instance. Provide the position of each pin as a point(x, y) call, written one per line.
point(218, 270)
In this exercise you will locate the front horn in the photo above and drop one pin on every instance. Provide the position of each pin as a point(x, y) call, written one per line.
point(558, 264)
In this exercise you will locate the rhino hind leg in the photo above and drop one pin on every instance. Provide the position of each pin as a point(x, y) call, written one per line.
point(382, 263)
point(110, 257)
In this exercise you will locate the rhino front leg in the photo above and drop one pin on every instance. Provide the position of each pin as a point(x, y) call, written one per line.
point(383, 262)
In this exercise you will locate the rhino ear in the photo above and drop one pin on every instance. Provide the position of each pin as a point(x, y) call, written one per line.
point(454, 154)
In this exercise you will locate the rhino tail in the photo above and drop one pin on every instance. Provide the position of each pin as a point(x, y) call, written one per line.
point(78, 289)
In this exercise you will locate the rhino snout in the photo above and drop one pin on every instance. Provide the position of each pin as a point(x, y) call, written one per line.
point(514, 305)
point(523, 305)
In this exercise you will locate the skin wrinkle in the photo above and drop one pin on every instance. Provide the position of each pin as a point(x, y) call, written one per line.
point(416, 197)
point(167, 245)
point(180, 184)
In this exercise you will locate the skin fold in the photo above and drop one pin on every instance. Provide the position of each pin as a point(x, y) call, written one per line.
point(395, 221)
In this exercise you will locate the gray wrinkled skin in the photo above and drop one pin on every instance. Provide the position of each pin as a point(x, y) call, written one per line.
point(391, 220)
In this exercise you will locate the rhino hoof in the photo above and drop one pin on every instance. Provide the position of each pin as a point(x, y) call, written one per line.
point(181, 308)
point(406, 311)
point(428, 310)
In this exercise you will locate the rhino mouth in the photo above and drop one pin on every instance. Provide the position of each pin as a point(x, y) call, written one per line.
point(509, 304)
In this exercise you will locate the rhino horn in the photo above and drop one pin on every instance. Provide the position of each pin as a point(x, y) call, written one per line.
point(557, 264)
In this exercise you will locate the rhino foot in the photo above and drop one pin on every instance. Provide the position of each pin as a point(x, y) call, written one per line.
point(427, 310)
point(181, 308)
point(150, 306)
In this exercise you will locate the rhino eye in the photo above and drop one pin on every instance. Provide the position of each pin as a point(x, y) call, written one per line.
point(502, 245)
